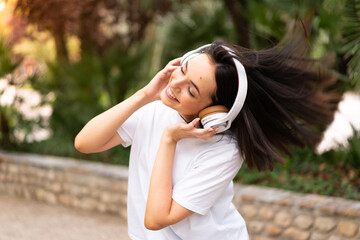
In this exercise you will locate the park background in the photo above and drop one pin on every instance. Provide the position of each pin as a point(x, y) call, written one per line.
point(62, 62)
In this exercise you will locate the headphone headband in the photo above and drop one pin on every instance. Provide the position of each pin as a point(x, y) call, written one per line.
point(224, 122)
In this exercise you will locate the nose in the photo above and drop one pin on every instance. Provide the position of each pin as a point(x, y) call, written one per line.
point(177, 80)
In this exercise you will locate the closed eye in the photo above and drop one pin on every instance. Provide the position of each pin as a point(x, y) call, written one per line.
point(192, 83)
point(190, 92)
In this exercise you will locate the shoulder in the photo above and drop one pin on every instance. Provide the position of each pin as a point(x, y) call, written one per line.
point(221, 143)
point(220, 155)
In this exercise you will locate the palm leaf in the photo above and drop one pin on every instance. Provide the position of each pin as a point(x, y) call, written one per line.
point(351, 33)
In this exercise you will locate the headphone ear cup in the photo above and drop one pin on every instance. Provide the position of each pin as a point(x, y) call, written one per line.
point(209, 114)
point(212, 110)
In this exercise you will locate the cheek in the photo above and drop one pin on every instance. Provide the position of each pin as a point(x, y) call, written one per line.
point(162, 94)
point(192, 106)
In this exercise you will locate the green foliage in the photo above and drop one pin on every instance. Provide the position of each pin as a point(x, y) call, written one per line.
point(267, 22)
point(333, 173)
point(86, 88)
point(81, 90)
point(10, 118)
point(7, 64)
point(351, 28)
point(61, 144)
point(346, 155)
point(198, 23)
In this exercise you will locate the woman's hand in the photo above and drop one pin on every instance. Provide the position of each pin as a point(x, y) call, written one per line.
point(161, 80)
point(179, 131)
point(161, 209)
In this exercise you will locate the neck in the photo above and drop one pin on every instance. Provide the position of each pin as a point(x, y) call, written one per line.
point(187, 118)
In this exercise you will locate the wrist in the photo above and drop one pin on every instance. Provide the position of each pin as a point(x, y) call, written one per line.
point(168, 137)
point(143, 96)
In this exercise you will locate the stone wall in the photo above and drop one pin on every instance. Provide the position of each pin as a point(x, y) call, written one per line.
point(269, 213)
point(277, 214)
point(69, 182)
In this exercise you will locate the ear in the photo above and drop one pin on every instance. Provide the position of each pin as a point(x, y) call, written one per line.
point(212, 113)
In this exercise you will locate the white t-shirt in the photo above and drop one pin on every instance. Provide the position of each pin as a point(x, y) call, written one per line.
point(202, 179)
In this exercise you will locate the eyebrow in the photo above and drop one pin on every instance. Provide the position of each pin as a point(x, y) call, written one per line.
point(196, 87)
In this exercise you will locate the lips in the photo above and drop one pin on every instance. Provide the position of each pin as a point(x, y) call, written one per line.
point(170, 95)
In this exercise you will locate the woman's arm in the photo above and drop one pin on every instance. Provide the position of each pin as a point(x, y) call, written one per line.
point(161, 209)
point(100, 133)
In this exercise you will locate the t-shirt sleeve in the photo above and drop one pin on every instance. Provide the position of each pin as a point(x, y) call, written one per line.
point(208, 178)
point(128, 128)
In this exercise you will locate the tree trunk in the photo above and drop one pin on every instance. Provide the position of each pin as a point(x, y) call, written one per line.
point(60, 44)
point(236, 10)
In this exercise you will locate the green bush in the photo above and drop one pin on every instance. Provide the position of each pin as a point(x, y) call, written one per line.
point(333, 173)
point(11, 120)
point(82, 90)
point(86, 88)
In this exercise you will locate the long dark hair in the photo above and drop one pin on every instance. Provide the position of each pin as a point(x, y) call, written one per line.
point(289, 102)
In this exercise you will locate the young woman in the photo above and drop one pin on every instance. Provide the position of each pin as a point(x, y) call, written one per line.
point(180, 174)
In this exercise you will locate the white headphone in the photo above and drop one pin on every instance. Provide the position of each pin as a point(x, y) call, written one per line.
point(219, 116)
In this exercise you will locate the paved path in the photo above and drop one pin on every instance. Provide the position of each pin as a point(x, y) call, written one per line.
point(22, 219)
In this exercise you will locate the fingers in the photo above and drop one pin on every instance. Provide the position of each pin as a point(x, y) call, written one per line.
point(169, 69)
point(175, 62)
point(207, 133)
point(190, 130)
point(200, 132)
point(172, 66)
point(195, 123)
point(204, 134)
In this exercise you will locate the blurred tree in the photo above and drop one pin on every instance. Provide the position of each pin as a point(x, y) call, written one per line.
point(115, 38)
point(7, 64)
point(123, 43)
point(7, 113)
point(351, 28)
point(334, 32)
point(238, 10)
point(97, 23)
point(199, 23)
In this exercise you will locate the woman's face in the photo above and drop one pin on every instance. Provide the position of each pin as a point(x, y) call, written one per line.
point(191, 87)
